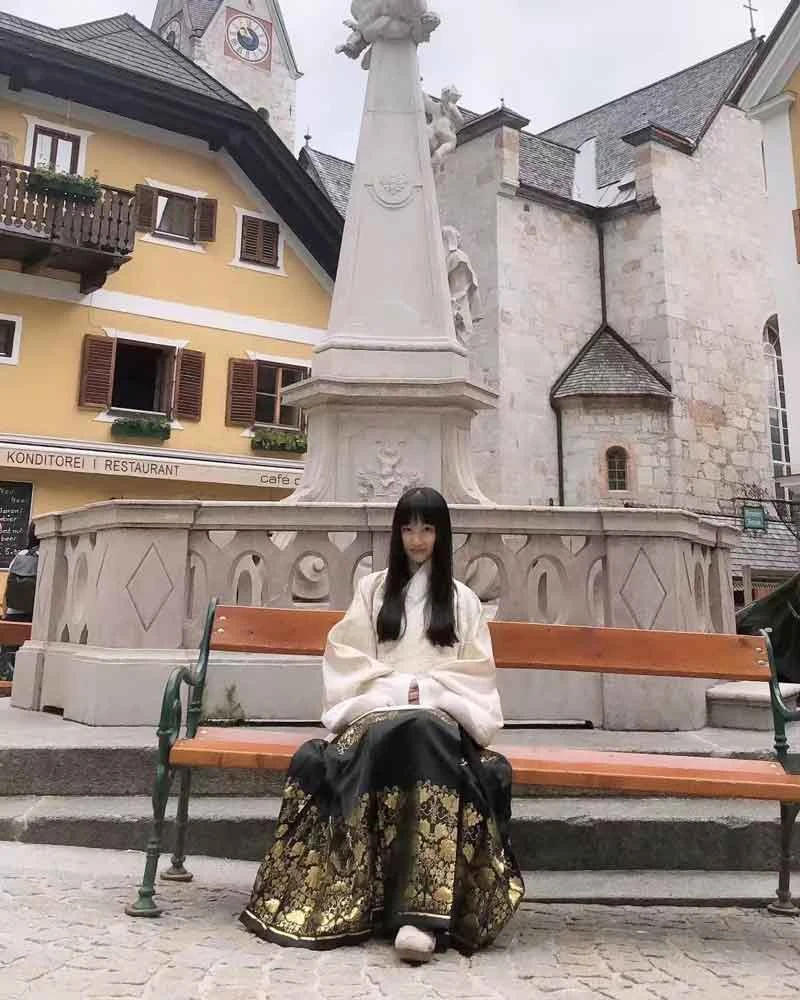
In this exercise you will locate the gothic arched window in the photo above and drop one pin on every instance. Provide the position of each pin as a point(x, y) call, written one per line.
point(172, 39)
point(776, 390)
point(617, 468)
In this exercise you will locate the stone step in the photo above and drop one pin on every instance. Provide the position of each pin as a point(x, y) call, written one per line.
point(549, 834)
point(745, 704)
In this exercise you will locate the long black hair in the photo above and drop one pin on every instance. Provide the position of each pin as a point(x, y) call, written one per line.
point(426, 506)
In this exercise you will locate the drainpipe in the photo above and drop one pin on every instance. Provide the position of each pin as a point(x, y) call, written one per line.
point(601, 249)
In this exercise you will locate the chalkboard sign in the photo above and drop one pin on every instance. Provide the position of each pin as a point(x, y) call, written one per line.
point(15, 516)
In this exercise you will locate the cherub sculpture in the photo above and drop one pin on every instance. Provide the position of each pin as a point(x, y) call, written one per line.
point(391, 19)
point(444, 121)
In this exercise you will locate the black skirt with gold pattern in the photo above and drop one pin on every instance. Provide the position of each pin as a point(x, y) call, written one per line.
point(402, 819)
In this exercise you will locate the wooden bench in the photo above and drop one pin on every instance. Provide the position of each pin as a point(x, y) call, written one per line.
point(12, 634)
point(516, 646)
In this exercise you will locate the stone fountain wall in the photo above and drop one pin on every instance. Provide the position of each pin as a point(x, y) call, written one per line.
point(124, 585)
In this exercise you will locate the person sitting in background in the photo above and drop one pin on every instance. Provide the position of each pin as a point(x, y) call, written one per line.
point(20, 595)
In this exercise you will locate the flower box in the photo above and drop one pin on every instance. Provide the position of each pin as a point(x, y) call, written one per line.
point(268, 439)
point(51, 182)
point(141, 427)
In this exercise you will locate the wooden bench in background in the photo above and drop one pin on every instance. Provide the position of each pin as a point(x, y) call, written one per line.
point(12, 634)
point(516, 646)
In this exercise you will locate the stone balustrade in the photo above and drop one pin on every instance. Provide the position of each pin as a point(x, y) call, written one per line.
point(124, 585)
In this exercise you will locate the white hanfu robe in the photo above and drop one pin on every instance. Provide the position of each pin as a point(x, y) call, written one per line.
point(361, 675)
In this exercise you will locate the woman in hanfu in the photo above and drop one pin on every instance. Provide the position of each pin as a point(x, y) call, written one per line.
point(398, 824)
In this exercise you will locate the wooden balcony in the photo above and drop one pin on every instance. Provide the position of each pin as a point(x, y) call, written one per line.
point(92, 239)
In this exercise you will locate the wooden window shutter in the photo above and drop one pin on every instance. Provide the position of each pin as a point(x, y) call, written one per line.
point(146, 208)
point(796, 217)
point(260, 240)
point(97, 371)
point(242, 376)
point(205, 221)
point(189, 385)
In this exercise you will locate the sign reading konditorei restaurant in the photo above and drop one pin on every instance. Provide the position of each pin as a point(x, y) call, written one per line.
point(27, 458)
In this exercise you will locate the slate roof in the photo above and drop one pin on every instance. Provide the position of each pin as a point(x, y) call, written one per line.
point(608, 366)
point(546, 164)
point(332, 175)
point(685, 103)
point(774, 552)
point(123, 42)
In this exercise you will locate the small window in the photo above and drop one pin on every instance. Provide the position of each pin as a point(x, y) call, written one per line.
point(255, 390)
point(617, 465)
point(260, 241)
point(147, 378)
point(175, 216)
point(8, 333)
point(271, 380)
point(53, 150)
point(172, 39)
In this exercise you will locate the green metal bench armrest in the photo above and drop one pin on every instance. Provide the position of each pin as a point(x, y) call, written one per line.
point(781, 713)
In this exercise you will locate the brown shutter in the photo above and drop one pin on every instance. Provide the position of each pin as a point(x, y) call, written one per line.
point(205, 223)
point(796, 217)
point(97, 371)
point(259, 241)
point(189, 385)
point(146, 208)
point(242, 375)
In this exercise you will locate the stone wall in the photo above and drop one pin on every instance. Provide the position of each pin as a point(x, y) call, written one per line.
point(275, 89)
point(592, 426)
point(718, 298)
point(467, 193)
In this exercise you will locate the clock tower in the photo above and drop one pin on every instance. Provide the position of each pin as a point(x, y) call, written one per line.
point(243, 44)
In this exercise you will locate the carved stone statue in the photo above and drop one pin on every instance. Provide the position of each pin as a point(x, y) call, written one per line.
point(390, 19)
point(444, 121)
point(464, 291)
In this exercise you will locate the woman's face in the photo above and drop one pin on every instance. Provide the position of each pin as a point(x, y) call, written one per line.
point(418, 542)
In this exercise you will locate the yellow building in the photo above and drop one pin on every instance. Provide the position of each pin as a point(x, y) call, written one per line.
point(148, 324)
point(769, 93)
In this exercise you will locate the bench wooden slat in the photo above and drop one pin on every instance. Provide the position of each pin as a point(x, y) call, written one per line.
point(5, 689)
point(14, 633)
point(631, 773)
point(524, 645)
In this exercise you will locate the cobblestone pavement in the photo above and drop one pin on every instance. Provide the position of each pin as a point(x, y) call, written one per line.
point(63, 936)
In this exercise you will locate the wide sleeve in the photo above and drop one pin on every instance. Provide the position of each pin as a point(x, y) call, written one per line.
point(465, 686)
point(354, 680)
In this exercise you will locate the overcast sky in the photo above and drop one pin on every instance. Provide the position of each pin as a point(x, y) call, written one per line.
point(550, 61)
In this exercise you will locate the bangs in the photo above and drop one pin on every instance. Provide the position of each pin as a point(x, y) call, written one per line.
point(422, 505)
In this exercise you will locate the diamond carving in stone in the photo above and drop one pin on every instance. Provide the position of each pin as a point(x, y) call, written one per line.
point(392, 190)
point(388, 479)
point(149, 587)
point(643, 593)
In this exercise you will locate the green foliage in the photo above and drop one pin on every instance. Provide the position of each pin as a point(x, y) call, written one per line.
point(268, 439)
point(52, 182)
point(145, 427)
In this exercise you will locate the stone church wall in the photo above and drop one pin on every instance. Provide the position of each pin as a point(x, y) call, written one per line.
point(591, 426)
point(549, 307)
point(275, 90)
point(718, 298)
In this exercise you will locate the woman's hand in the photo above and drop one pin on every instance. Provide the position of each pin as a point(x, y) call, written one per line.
point(413, 693)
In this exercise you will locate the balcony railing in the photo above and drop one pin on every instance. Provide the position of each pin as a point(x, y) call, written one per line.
point(107, 225)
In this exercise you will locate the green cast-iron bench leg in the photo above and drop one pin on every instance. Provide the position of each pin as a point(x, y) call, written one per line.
point(145, 905)
point(177, 872)
point(784, 905)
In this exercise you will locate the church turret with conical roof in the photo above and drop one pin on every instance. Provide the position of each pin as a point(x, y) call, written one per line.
point(245, 45)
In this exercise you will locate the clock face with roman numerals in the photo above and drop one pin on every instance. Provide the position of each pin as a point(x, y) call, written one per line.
point(248, 38)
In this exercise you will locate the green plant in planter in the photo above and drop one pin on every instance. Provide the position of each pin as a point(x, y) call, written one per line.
point(52, 182)
point(145, 427)
point(269, 439)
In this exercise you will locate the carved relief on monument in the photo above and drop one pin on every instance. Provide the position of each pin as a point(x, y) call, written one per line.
point(388, 473)
point(465, 294)
point(444, 123)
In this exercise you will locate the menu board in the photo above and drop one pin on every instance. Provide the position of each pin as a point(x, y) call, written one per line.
point(15, 516)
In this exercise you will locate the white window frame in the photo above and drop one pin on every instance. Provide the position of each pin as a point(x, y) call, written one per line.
point(113, 413)
point(13, 359)
point(82, 134)
point(246, 265)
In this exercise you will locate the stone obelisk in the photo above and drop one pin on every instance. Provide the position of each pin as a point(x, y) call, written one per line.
point(390, 403)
